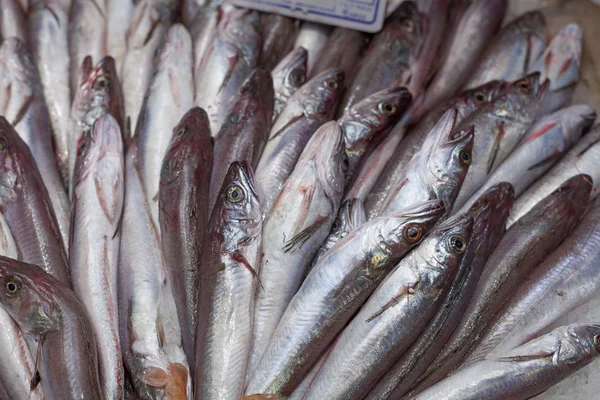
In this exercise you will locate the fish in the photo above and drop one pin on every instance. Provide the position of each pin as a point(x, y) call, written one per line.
point(24, 106)
point(489, 221)
point(120, 15)
point(148, 30)
point(149, 328)
point(279, 37)
point(98, 197)
point(246, 129)
point(388, 59)
point(560, 64)
point(87, 33)
point(306, 110)
point(394, 315)
point(437, 171)
point(334, 290)
point(376, 181)
point(473, 32)
point(288, 76)
point(100, 93)
point(313, 38)
point(189, 9)
point(25, 204)
point(183, 216)
point(366, 122)
point(499, 127)
point(170, 95)
point(567, 278)
point(48, 38)
point(13, 21)
point(17, 369)
point(294, 230)
point(581, 159)
point(545, 143)
point(343, 50)
point(228, 280)
point(514, 50)
point(48, 311)
point(520, 250)
point(228, 61)
point(523, 372)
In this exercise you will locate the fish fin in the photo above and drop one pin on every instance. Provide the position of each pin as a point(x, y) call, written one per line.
point(175, 89)
point(291, 122)
point(298, 240)
point(239, 257)
point(550, 159)
point(407, 290)
point(119, 224)
point(23, 110)
point(110, 208)
point(539, 133)
point(151, 32)
point(496, 147)
point(38, 358)
point(589, 146)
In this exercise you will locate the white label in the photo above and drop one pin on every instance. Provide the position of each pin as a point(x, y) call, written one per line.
point(361, 15)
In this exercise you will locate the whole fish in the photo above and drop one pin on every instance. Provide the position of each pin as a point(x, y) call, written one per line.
point(474, 30)
point(437, 171)
point(227, 284)
point(245, 131)
point(148, 31)
point(332, 293)
point(48, 38)
point(25, 203)
point(368, 120)
point(294, 230)
point(288, 76)
point(381, 179)
point(87, 35)
point(499, 127)
point(12, 20)
point(517, 46)
point(279, 34)
point(489, 219)
point(183, 216)
point(97, 206)
point(170, 95)
point(309, 108)
point(519, 251)
point(100, 93)
point(149, 326)
point(581, 159)
point(545, 143)
point(351, 215)
point(120, 14)
point(22, 103)
point(17, 369)
point(394, 315)
point(565, 280)
point(560, 64)
point(387, 61)
point(313, 37)
point(523, 372)
point(48, 311)
point(228, 61)
point(344, 47)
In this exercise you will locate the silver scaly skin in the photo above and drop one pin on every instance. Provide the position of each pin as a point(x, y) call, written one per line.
point(333, 291)
point(228, 281)
point(288, 76)
point(313, 37)
point(524, 372)
point(344, 48)
point(295, 229)
point(394, 315)
point(279, 35)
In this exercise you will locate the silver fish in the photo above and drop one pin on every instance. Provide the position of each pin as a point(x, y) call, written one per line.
point(332, 293)
point(120, 14)
point(288, 76)
point(12, 20)
point(523, 372)
point(279, 35)
point(227, 284)
point(295, 229)
point(170, 95)
point(343, 49)
point(312, 37)
point(394, 315)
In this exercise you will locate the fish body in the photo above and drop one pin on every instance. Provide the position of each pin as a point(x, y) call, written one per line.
point(278, 38)
point(13, 20)
point(344, 47)
point(288, 76)
point(203, 28)
point(313, 37)
point(120, 14)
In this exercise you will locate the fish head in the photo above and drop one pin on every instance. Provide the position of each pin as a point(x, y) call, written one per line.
point(99, 90)
point(291, 72)
point(532, 26)
point(576, 120)
point(19, 81)
point(350, 216)
point(473, 99)
point(319, 97)
point(15, 160)
point(579, 343)
point(243, 29)
point(107, 84)
point(490, 212)
point(331, 161)
point(367, 120)
point(26, 294)
point(521, 100)
point(409, 24)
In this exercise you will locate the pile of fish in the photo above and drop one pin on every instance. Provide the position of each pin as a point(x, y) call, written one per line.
point(203, 201)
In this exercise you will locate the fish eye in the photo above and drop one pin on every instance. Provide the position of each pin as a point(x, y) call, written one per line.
point(407, 25)
point(480, 203)
point(458, 244)
point(249, 87)
point(479, 97)
point(331, 84)
point(235, 194)
point(3, 144)
point(345, 162)
point(387, 109)
point(298, 77)
point(336, 225)
point(12, 287)
point(524, 86)
point(464, 156)
point(181, 131)
point(102, 82)
point(597, 341)
point(413, 233)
